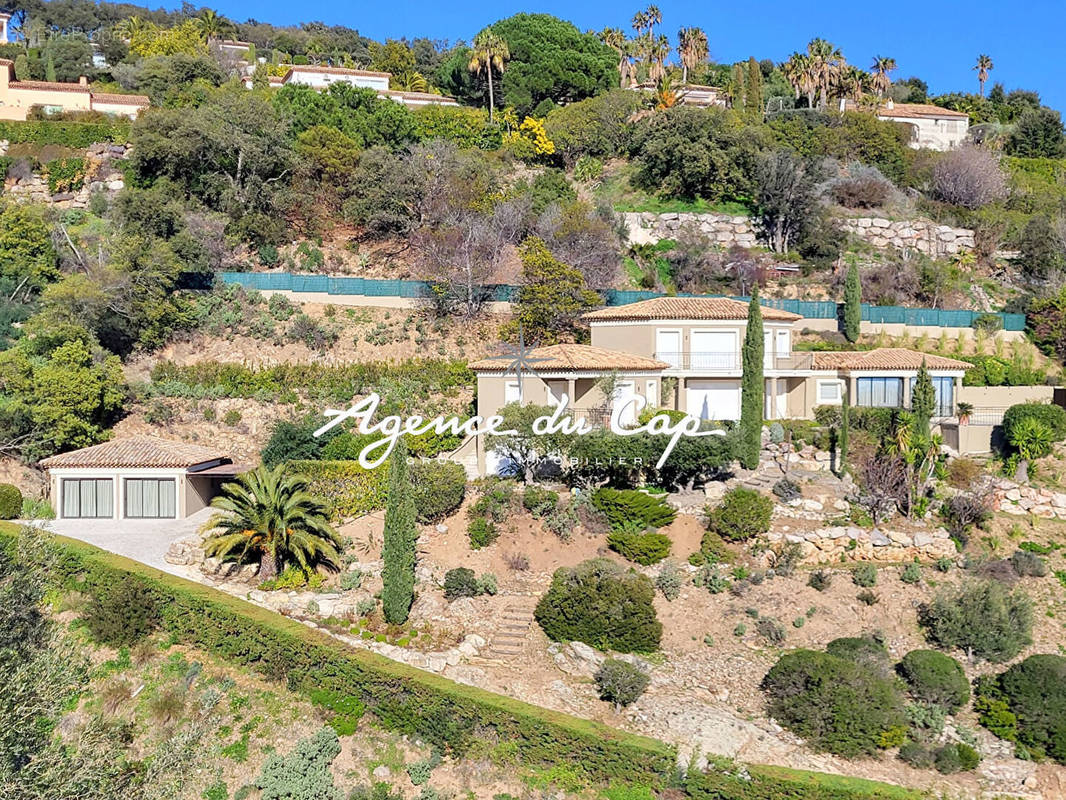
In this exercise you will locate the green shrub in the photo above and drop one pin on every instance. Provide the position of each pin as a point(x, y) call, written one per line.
point(77, 135)
point(642, 548)
point(630, 508)
point(438, 488)
point(911, 574)
point(345, 487)
point(864, 650)
point(742, 514)
point(487, 584)
point(345, 710)
point(1051, 415)
point(669, 580)
point(460, 582)
point(935, 678)
point(836, 704)
point(421, 771)
point(996, 715)
point(820, 580)
point(10, 501)
point(539, 502)
point(599, 603)
point(123, 616)
point(864, 575)
point(303, 773)
point(620, 682)
point(984, 618)
point(916, 754)
point(65, 175)
point(1028, 565)
point(1034, 691)
point(956, 757)
point(496, 501)
point(351, 580)
point(482, 533)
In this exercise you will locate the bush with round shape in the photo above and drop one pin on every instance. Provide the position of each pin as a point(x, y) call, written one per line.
point(123, 616)
point(1028, 565)
point(482, 533)
point(742, 515)
point(916, 754)
point(820, 580)
point(1035, 692)
point(935, 678)
point(539, 502)
point(629, 508)
point(911, 574)
point(438, 488)
point(10, 501)
point(865, 575)
point(984, 618)
point(620, 682)
point(641, 548)
point(460, 582)
point(836, 704)
point(863, 650)
point(956, 757)
point(599, 603)
point(1054, 417)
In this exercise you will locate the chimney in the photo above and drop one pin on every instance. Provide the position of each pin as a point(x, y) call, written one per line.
point(83, 81)
point(890, 104)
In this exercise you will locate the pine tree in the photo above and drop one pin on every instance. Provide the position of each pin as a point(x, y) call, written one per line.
point(751, 400)
point(398, 547)
point(923, 401)
point(845, 423)
point(852, 304)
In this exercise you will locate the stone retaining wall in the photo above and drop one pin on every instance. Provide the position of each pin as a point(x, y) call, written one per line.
point(726, 230)
point(643, 227)
point(830, 544)
point(925, 237)
point(101, 176)
point(1012, 498)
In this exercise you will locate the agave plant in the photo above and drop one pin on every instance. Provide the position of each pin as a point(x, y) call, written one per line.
point(269, 515)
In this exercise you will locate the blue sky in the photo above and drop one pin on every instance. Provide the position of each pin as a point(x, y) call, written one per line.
point(938, 41)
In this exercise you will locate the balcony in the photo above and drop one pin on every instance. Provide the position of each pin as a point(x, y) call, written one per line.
point(731, 361)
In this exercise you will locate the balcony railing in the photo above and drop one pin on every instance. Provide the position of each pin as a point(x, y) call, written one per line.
point(731, 361)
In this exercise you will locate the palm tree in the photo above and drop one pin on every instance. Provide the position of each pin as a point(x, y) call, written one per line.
point(983, 67)
point(665, 95)
point(213, 25)
point(658, 52)
point(490, 52)
point(640, 22)
point(800, 72)
point(826, 59)
point(881, 67)
point(692, 47)
point(410, 81)
point(127, 29)
point(270, 515)
point(852, 81)
point(616, 39)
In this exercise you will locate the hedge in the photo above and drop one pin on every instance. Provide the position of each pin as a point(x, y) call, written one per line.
point(66, 134)
point(417, 703)
point(347, 489)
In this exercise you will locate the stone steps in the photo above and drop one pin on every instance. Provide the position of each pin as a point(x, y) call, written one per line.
point(510, 640)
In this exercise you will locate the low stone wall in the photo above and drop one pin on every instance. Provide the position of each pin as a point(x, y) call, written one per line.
point(925, 237)
point(101, 176)
point(832, 544)
point(1012, 498)
point(646, 228)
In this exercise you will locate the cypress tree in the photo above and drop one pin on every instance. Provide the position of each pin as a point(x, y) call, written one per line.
point(49, 68)
point(845, 423)
point(751, 399)
point(852, 304)
point(753, 99)
point(398, 545)
point(923, 400)
point(740, 95)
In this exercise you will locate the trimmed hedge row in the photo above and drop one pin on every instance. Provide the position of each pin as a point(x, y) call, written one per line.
point(449, 715)
point(347, 489)
point(66, 134)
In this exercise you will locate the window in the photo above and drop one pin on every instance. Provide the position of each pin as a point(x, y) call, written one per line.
point(879, 392)
point(944, 393)
point(88, 498)
point(829, 392)
point(151, 498)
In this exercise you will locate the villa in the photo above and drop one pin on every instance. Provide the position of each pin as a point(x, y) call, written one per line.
point(18, 97)
point(931, 127)
point(684, 354)
point(137, 477)
point(322, 77)
point(5, 19)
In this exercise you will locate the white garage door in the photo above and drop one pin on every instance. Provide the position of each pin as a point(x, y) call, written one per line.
point(713, 399)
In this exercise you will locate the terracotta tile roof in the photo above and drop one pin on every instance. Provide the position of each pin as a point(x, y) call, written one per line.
point(440, 98)
point(573, 358)
point(686, 308)
point(49, 86)
point(136, 451)
point(887, 358)
point(6, 62)
point(338, 71)
point(919, 110)
point(122, 99)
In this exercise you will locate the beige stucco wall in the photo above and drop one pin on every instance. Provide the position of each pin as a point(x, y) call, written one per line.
point(639, 338)
point(16, 102)
point(198, 493)
point(117, 109)
point(1005, 396)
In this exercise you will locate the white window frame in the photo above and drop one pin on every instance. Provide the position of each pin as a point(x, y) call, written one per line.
point(839, 384)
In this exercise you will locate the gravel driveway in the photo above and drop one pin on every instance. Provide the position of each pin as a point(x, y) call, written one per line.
point(144, 540)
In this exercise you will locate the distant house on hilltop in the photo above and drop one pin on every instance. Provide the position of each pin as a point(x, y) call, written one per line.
point(4, 20)
point(18, 97)
point(321, 77)
point(688, 94)
point(932, 127)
